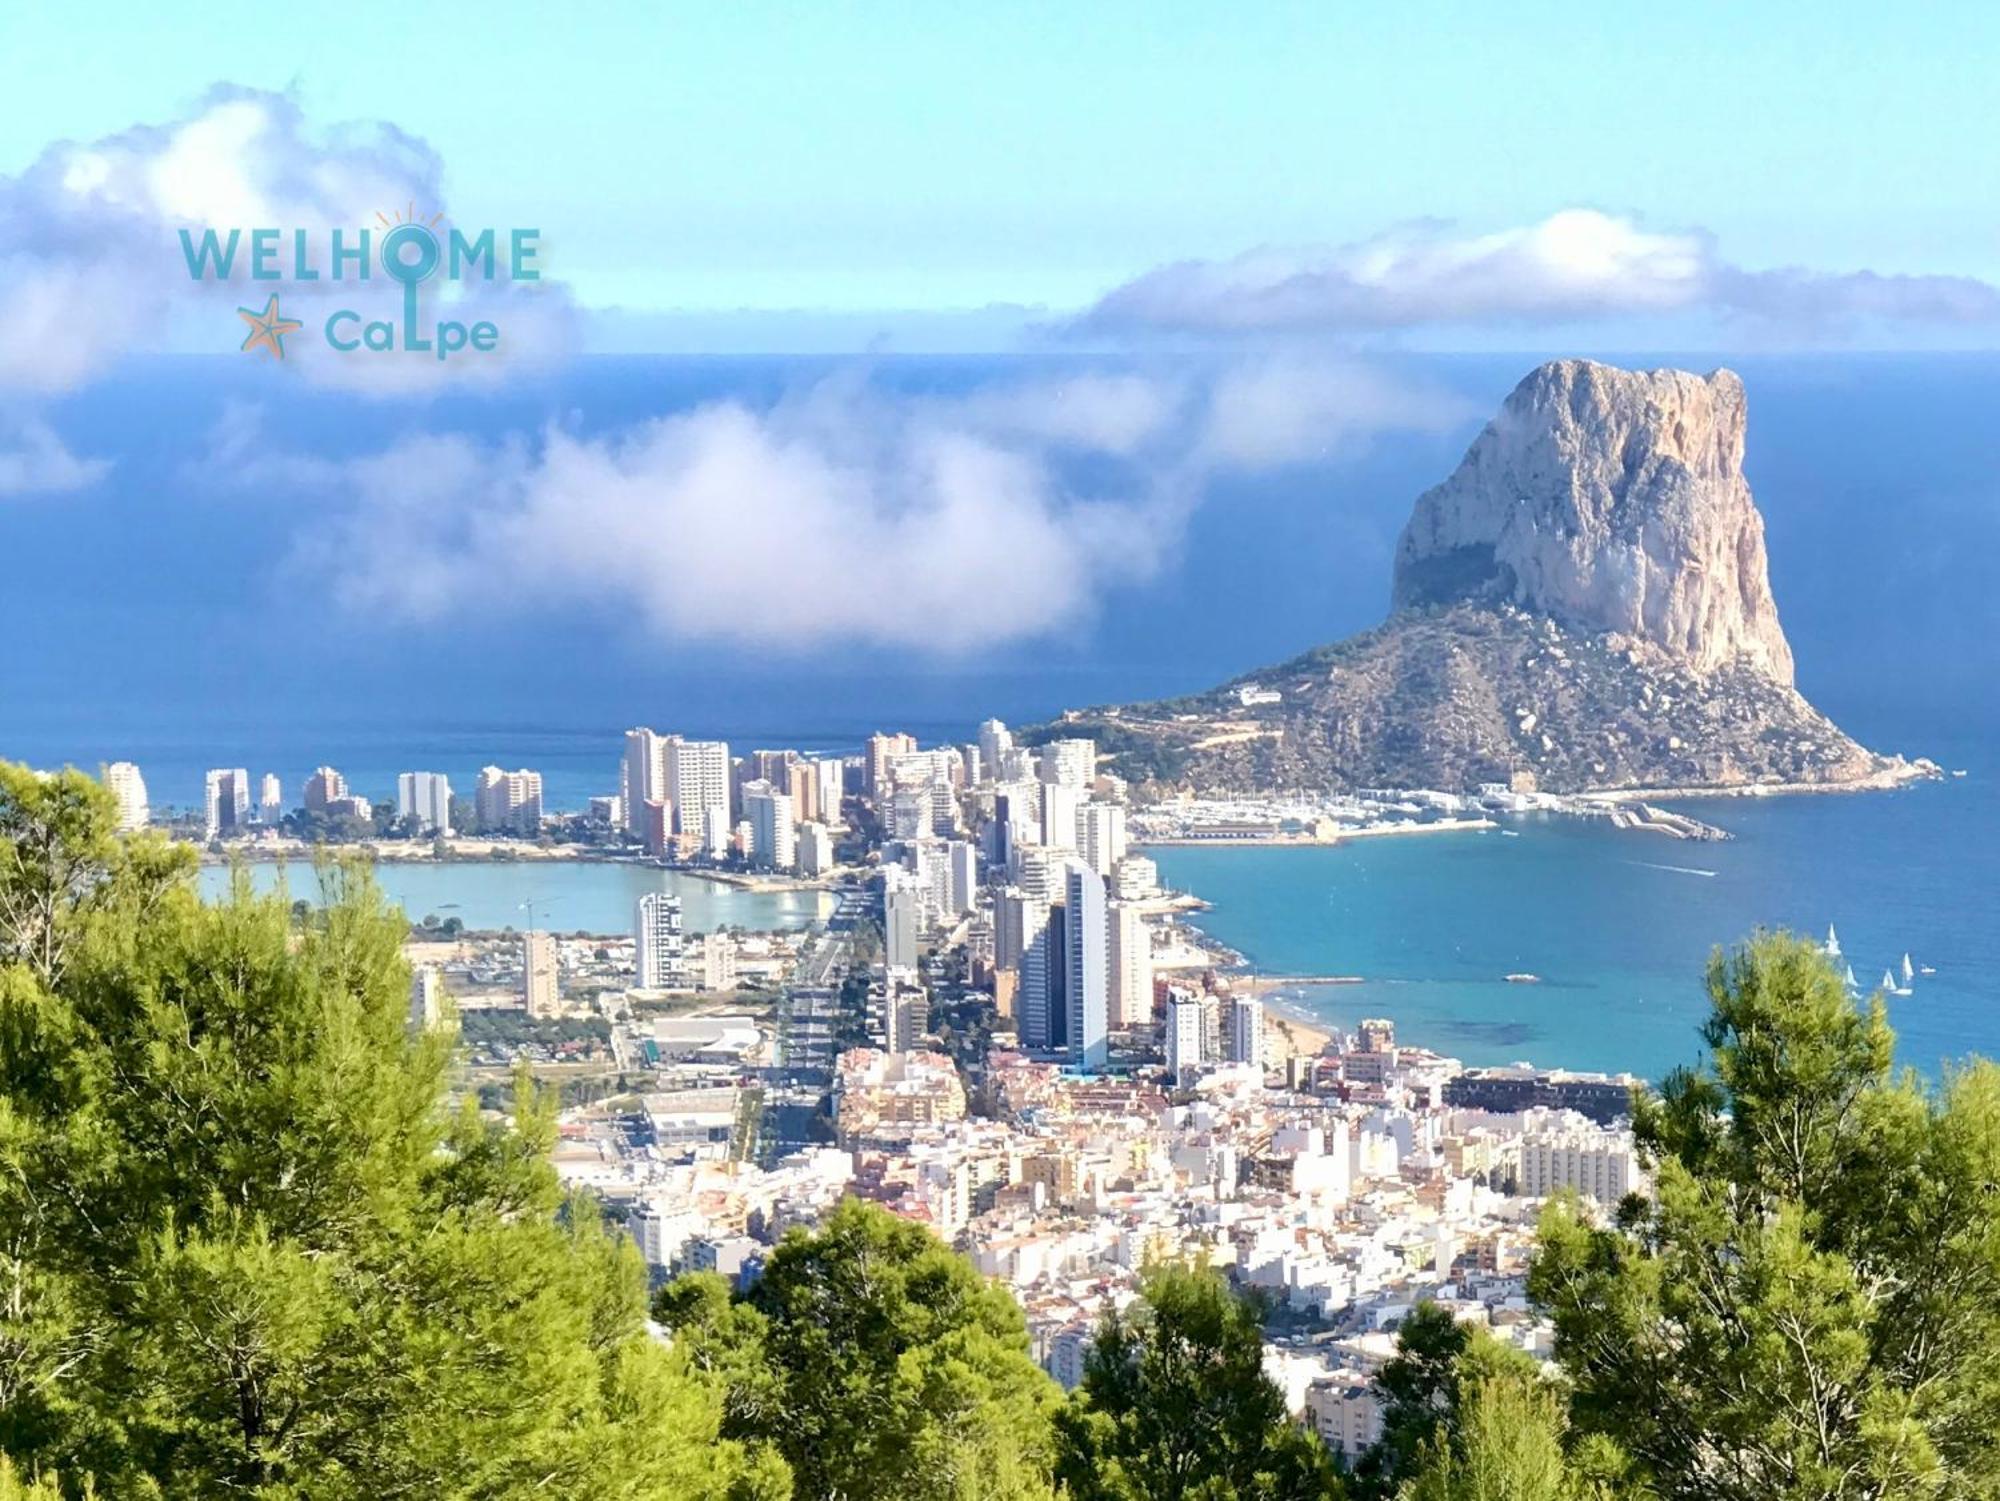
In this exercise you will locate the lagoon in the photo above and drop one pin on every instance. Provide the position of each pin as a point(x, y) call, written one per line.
point(592, 896)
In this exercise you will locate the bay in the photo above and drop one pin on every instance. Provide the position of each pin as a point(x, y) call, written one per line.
point(1619, 925)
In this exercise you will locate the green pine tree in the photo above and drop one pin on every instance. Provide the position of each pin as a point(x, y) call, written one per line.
point(877, 1362)
point(246, 1245)
point(1175, 1405)
point(1809, 1304)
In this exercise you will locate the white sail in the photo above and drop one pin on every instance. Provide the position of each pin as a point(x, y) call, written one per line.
point(1832, 941)
point(1908, 970)
point(1889, 981)
point(1852, 983)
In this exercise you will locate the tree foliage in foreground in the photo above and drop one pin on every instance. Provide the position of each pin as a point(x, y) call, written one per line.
point(877, 1362)
point(1809, 1304)
point(245, 1246)
point(1175, 1405)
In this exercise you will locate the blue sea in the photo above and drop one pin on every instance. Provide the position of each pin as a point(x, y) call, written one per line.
point(1619, 925)
point(154, 619)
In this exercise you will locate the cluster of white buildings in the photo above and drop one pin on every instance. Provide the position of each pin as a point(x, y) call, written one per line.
point(1347, 1202)
point(686, 799)
point(1021, 853)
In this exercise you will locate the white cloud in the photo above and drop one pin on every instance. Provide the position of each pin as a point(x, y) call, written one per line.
point(1576, 265)
point(92, 265)
point(1290, 409)
point(940, 522)
point(35, 461)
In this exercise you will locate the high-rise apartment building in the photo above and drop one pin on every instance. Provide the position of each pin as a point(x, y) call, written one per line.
point(1246, 1032)
point(773, 835)
point(324, 788)
point(228, 801)
point(1131, 968)
point(1069, 763)
point(1061, 812)
point(125, 784)
point(1186, 1050)
point(882, 749)
point(426, 998)
point(995, 740)
point(661, 950)
point(1100, 836)
point(1087, 962)
point(425, 796)
point(270, 800)
point(815, 849)
point(902, 917)
point(642, 778)
point(509, 800)
point(538, 975)
point(962, 856)
point(698, 782)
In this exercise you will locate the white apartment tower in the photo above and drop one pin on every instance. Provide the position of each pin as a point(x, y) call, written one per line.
point(426, 797)
point(509, 799)
point(662, 952)
point(1131, 968)
point(773, 836)
point(697, 782)
point(129, 788)
point(228, 801)
point(995, 740)
point(902, 917)
point(1184, 1038)
point(1087, 977)
point(1100, 836)
point(642, 778)
point(1069, 763)
point(1246, 1032)
point(270, 800)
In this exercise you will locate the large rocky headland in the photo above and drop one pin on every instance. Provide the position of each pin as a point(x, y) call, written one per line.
point(1584, 605)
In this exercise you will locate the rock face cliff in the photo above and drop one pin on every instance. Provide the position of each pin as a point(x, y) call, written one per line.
point(1586, 600)
point(1608, 500)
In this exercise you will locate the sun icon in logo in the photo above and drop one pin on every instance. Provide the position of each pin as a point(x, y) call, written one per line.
point(410, 249)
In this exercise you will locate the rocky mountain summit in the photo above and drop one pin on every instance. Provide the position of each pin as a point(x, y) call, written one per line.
point(1610, 500)
point(1585, 602)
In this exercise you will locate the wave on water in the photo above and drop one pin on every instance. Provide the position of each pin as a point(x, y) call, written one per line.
point(1684, 870)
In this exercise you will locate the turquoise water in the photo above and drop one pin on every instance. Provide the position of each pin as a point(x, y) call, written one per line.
point(569, 895)
point(1619, 925)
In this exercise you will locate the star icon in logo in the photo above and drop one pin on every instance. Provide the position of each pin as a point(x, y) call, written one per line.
point(268, 328)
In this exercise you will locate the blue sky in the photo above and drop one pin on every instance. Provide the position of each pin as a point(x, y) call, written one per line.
point(1216, 247)
point(877, 156)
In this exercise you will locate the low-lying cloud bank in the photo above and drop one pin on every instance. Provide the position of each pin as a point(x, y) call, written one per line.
point(1577, 266)
point(942, 524)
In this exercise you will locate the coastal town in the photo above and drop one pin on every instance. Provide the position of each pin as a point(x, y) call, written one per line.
point(1001, 1027)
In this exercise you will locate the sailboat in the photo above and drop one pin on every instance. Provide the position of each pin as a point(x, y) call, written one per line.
point(1852, 983)
point(1889, 985)
point(1909, 972)
point(1832, 942)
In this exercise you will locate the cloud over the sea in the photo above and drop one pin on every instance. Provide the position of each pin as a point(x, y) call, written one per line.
point(91, 266)
point(1576, 266)
point(34, 460)
point(847, 511)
